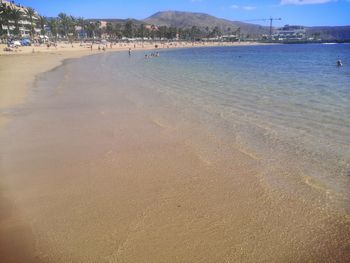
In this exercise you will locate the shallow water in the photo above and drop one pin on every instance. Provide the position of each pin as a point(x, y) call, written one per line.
point(287, 105)
point(199, 155)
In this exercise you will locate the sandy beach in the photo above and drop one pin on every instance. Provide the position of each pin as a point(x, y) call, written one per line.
point(19, 68)
point(27, 62)
point(105, 181)
point(18, 71)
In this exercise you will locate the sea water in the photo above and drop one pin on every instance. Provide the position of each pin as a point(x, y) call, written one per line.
point(201, 154)
point(286, 105)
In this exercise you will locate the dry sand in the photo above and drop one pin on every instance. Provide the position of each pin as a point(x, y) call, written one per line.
point(68, 196)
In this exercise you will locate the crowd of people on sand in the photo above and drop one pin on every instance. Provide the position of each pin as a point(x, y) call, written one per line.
point(13, 46)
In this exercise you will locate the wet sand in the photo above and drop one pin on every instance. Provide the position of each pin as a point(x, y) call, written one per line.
point(91, 176)
point(17, 240)
point(19, 68)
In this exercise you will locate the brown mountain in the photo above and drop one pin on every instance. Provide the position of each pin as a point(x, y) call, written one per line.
point(329, 32)
point(204, 21)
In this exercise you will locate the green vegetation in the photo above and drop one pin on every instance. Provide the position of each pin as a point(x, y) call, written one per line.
point(30, 13)
point(16, 15)
point(168, 25)
point(66, 25)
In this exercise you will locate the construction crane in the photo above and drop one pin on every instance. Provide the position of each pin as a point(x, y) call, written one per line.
point(271, 19)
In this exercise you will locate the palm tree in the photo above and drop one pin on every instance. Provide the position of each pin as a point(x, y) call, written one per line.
point(128, 30)
point(172, 33)
point(53, 24)
point(195, 33)
point(162, 32)
point(216, 32)
point(82, 23)
point(16, 16)
point(207, 31)
point(142, 31)
point(91, 29)
point(42, 22)
point(110, 30)
point(238, 33)
point(153, 31)
point(97, 29)
point(72, 22)
point(118, 30)
point(30, 13)
point(63, 23)
point(5, 12)
point(2, 20)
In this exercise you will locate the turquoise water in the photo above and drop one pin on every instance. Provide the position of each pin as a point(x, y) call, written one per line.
point(206, 154)
point(288, 105)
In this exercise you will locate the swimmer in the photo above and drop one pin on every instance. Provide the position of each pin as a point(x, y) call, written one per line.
point(339, 63)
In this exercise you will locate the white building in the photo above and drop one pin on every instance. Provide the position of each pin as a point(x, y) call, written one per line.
point(290, 33)
point(24, 23)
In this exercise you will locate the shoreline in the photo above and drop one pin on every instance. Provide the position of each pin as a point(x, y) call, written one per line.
point(16, 234)
point(96, 177)
point(28, 65)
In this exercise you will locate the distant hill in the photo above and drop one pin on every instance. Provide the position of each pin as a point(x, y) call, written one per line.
point(207, 22)
point(203, 21)
point(330, 32)
point(119, 21)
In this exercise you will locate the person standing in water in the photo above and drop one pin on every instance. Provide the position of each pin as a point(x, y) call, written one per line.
point(339, 63)
point(129, 51)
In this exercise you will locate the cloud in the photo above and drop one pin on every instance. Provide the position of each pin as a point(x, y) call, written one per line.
point(247, 8)
point(304, 2)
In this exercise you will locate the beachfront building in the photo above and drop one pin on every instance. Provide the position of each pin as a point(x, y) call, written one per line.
point(230, 38)
point(24, 22)
point(290, 33)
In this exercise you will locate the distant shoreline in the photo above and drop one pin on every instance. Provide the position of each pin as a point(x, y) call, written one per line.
point(20, 67)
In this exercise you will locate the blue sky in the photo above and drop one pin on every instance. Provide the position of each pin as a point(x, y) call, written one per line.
point(305, 12)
